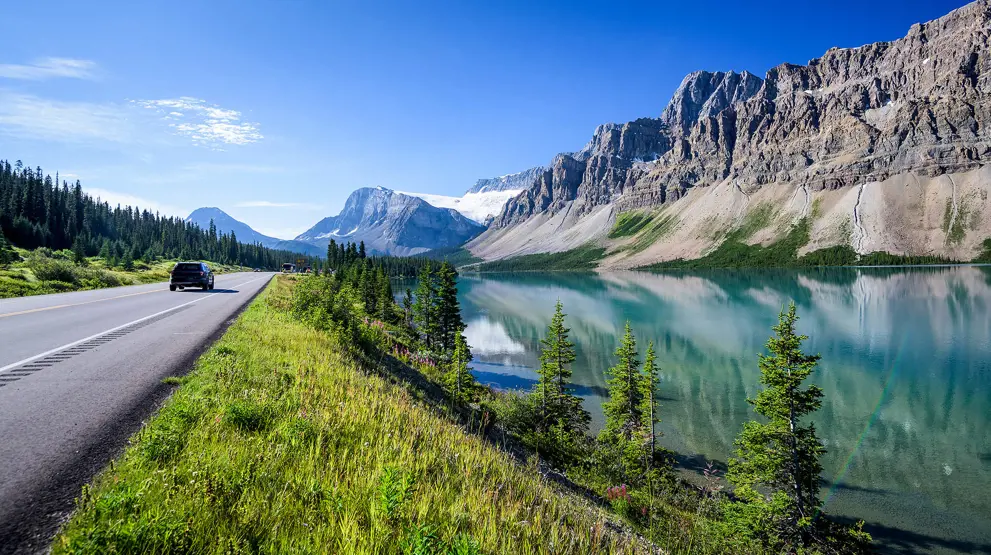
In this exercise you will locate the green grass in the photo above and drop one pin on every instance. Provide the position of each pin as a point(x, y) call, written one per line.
point(585, 257)
point(734, 253)
point(280, 441)
point(629, 223)
point(41, 272)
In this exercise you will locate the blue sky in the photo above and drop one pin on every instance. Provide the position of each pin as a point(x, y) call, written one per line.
point(276, 111)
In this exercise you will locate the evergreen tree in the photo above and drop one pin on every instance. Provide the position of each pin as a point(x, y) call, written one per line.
point(621, 453)
point(425, 309)
point(408, 308)
point(624, 409)
point(776, 469)
point(562, 421)
point(78, 251)
point(449, 324)
point(460, 381)
point(361, 250)
point(648, 408)
point(385, 300)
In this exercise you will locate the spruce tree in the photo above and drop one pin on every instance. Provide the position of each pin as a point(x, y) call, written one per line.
point(460, 381)
point(385, 301)
point(562, 421)
point(78, 251)
point(624, 409)
point(648, 386)
point(425, 307)
point(621, 454)
point(776, 469)
point(408, 308)
point(449, 323)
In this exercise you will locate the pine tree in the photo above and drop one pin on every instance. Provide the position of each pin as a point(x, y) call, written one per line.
point(623, 410)
point(385, 301)
point(648, 408)
point(361, 250)
point(425, 307)
point(449, 323)
point(460, 381)
point(562, 421)
point(621, 453)
point(78, 251)
point(408, 308)
point(781, 456)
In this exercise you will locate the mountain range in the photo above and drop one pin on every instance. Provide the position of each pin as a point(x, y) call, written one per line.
point(245, 234)
point(883, 147)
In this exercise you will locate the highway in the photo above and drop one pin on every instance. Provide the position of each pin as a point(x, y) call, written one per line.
point(79, 372)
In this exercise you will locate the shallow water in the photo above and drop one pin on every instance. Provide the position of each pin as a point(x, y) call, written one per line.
point(906, 370)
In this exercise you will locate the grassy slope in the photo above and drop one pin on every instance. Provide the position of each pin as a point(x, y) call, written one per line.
point(582, 258)
point(19, 279)
point(280, 442)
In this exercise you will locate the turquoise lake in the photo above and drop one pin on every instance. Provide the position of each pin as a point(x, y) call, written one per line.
point(906, 370)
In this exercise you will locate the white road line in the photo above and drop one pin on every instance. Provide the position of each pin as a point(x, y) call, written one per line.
point(111, 330)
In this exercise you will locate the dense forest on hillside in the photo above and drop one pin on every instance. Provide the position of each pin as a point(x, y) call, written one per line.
point(39, 211)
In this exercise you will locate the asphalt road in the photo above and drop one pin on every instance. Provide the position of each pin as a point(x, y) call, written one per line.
point(79, 372)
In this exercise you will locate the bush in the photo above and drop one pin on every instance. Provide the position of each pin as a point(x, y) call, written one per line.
point(52, 269)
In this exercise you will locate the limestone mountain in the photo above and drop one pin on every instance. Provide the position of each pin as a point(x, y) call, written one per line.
point(245, 234)
point(883, 147)
point(392, 223)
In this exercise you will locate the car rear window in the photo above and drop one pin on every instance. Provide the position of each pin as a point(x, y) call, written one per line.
point(187, 267)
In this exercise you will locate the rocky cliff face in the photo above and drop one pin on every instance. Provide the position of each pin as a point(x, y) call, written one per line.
point(919, 105)
point(392, 223)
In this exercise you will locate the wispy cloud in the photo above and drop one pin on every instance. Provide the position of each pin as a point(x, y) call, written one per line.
point(206, 124)
point(124, 199)
point(29, 116)
point(270, 204)
point(48, 68)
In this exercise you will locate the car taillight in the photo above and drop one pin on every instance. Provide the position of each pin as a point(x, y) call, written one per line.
point(201, 273)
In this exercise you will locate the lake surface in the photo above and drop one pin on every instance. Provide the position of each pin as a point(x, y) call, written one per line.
point(906, 371)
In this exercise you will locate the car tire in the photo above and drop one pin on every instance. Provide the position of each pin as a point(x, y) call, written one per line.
point(171, 287)
point(211, 286)
point(205, 287)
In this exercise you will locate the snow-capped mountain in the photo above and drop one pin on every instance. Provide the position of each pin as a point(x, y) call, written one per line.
point(487, 197)
point(511, 182)
point(245, 234)
point(478, 207)
point(394, 223)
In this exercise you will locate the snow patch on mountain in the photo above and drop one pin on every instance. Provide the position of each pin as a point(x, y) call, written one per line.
point(478, 207)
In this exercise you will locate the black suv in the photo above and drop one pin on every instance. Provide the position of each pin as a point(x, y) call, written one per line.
point(191, 274)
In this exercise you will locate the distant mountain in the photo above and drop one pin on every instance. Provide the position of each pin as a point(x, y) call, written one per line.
point(226, 224)
point(512, 182)
point(479, 207)
point(392, 223)
point(487, 197)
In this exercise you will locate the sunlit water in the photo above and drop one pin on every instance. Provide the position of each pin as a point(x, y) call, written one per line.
point(906, 370)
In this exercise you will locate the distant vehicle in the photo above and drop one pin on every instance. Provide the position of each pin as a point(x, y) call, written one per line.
point(191, 274)
point(288, 268)
point(257, 270)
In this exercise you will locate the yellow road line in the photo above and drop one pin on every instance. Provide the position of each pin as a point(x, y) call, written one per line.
point(42, 309)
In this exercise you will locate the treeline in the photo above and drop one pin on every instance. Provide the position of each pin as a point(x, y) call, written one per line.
point(342, 255)
point(39, 211)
